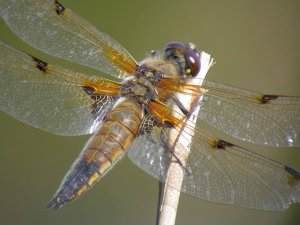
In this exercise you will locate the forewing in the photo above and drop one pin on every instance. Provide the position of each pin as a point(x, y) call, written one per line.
point(256, 118)
point(219, 171)
point(268, 120)
point(50, 27)
point(52, 98)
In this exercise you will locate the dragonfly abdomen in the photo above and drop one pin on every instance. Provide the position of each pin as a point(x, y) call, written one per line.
point(102, 151)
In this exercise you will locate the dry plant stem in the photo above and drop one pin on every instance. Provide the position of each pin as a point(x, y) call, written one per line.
point(170, 194)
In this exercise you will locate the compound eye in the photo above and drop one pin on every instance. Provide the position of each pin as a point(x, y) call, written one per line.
point(191, 64)
point(192, 58)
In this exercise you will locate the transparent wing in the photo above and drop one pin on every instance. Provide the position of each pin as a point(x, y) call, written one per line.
point(50, 27)
point(219, 171)
point(52, 98)
point(148, 152)
point(268, 120)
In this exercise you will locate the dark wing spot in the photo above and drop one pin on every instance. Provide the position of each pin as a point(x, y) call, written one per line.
point(100, 101)
point(41, 65)
point(168, 124)
point(221, 144)
point(89, 90)
point(59, 8)
point(294, 177)
point(267, 98)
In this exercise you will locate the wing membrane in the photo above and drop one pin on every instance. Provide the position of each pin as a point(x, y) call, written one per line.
point(52, 98)
point(248, 116)
point(50, 27)
point(219, 171)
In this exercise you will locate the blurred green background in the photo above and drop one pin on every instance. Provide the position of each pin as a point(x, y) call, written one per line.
point(256, 46)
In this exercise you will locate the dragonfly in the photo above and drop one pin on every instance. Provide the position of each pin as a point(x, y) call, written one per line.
point(141, 112)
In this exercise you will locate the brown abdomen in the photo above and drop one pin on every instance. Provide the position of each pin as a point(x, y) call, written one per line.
point(101, 152)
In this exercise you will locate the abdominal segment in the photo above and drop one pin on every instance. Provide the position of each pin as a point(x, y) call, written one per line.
point(102, 151)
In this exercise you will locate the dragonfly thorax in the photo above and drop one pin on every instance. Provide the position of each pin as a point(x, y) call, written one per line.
point(142, 84)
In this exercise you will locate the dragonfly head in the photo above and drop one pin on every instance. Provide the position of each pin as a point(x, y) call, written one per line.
point(185, 56)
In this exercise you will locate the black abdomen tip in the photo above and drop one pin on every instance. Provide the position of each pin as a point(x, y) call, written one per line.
point(57, 202)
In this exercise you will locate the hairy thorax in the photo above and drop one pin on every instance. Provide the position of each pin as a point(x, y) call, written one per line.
point(143, 85)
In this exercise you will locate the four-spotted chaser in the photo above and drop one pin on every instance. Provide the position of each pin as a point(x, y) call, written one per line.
point(144, 114)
